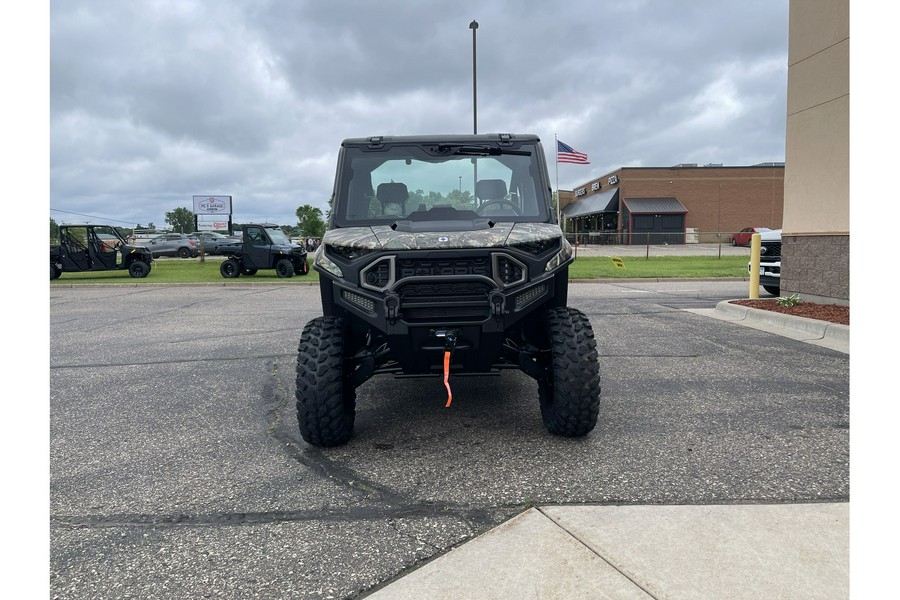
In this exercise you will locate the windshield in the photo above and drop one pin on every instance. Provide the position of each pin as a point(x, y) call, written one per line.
point(449, 182)
point(278, 236)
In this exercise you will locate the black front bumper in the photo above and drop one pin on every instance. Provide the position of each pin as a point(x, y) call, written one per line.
point(422, 316)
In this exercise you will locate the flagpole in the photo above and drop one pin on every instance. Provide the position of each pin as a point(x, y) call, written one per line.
point(556, 153)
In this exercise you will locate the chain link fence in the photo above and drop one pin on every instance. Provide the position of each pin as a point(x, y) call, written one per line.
point(692, 243)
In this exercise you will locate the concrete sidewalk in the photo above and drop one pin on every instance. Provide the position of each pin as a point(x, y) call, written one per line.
point(690, 552)
point(790, 551)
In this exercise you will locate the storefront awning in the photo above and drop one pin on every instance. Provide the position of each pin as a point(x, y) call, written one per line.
point(603, 202)
point(643, 206)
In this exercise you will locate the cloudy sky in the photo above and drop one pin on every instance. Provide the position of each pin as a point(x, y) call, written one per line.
point(153, 101)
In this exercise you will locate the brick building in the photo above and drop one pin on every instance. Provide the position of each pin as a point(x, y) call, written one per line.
point(675, 204)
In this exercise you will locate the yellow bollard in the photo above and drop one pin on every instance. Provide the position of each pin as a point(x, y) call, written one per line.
point(754, 265)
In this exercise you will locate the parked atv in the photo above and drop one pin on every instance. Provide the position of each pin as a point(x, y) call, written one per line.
point(263, 247)
point(443, 256)
point(96, 248)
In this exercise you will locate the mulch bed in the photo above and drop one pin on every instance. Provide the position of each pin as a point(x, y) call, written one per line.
point(833, 313)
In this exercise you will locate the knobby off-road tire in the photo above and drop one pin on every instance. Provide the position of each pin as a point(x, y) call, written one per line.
point(230, 268)
point(284, 268)
point(304, 268)
point(248, 271)
point(570, 395)
point(54, 272)
point(138, 269)
point(774, 290)
point(326, 402)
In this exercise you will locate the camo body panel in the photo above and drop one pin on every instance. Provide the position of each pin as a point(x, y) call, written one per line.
point(383, 237)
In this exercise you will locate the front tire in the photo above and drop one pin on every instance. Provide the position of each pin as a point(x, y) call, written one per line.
point(304, 268)
point(54, 272)
point(570, 394)
point(230, 268)
point(284, 268)
point(248, 271)
point(138, 269)
point(184, 252)
point(773, 289)
point(326, 401)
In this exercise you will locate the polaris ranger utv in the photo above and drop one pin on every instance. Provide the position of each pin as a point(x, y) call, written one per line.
point(263, 247)
point(443, 256)
point(96, 248)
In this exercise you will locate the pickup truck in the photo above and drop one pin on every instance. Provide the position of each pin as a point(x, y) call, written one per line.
point(770, 261)
point(263, 246)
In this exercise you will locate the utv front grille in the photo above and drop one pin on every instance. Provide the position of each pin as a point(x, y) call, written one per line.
point(425, 299)
point(455, 290)
point(443, 268)
point(420, 314)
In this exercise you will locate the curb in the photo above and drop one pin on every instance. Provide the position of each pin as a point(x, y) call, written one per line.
point(822, 329)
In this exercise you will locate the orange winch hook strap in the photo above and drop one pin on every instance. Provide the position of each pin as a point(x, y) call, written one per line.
point(446, 377)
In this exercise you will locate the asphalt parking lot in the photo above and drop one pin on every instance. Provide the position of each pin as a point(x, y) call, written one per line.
point(176, 468)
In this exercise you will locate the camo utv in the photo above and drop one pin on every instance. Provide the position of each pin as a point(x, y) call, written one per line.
point(443, 256)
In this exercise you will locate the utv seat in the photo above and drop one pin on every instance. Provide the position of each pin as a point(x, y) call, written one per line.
point(490, 189)
point(392, 193)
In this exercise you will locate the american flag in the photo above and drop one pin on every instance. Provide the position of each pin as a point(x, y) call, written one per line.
point(567, 154)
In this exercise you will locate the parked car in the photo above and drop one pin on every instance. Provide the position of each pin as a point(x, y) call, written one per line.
point(210, 240)
point(174, 244)
point(742, 238)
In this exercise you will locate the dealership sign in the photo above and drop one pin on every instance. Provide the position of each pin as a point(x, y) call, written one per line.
point(212, 226)
point(212, 205)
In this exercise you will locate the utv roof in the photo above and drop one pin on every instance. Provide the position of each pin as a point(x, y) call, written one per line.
point(453, 138)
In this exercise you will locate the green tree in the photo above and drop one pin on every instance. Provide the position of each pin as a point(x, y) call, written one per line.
point(181, 219)
point(54, 229)
point(309, 221)
point(461, 200)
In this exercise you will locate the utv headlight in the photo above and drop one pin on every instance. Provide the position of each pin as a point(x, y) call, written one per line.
point(326, 263)
point(561, 256)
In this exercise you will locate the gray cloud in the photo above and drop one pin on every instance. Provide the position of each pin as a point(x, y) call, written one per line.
point(154, 101)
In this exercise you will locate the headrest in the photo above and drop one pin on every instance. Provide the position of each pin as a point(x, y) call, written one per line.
point(490, 189)
point(392, 192)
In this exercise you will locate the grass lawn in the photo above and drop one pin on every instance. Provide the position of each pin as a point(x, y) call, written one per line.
point(585, 267)
point(601, 267)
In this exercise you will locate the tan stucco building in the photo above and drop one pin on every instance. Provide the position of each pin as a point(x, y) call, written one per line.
point(816, 232)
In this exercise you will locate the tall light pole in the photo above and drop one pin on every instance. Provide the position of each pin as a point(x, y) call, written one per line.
point(474, 27)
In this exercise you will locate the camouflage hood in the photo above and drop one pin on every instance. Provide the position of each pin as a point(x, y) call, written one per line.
point(382, 237)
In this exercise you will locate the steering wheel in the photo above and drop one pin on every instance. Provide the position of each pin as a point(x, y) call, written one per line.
point(512, 205)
